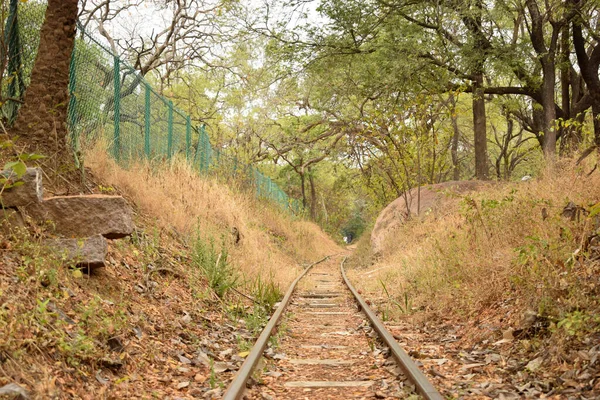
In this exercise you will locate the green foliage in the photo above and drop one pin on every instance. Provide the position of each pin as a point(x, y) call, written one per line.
point(400, 303)
point(213, 262)
point(15, 170)
point(265, 292)
point(579, 323)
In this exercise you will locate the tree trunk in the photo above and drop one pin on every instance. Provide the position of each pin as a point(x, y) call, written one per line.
point(313, 196)
point(549, 107)
point(569, 139)
point(455, 139)
point(42, 121)
point(596, 118)
point(589, 64)
point(479, 129)
point(303, 189)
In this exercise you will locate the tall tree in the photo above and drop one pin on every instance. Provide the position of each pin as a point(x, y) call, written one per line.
point(588, 58)
point(42, 120)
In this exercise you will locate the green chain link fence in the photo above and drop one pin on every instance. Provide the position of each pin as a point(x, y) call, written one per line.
point(111, 99)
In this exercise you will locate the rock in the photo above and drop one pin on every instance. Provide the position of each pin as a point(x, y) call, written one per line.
point(30, 192)
point(84, 216)
point(87, 253)
point(13, 391)
point(398, 211)
point(9, 220)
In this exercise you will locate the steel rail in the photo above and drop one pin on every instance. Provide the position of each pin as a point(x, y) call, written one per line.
point(410, 369)
point(235, 390)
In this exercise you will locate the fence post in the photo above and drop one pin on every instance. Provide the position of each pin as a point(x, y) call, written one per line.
point(117, 104)
point(147, 121)
point(202, 147)
point(170, 130)
point(73, 105)
point(188, 137)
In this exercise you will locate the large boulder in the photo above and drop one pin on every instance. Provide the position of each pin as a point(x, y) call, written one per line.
point(28, 193)
point(414, 204)
point(86, 215)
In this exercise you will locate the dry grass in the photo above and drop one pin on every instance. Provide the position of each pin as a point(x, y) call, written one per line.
point(61, 331)
point(271, 243)
point(508, 242)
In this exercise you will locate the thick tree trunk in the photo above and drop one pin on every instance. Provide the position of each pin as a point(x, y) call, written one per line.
point(589, 64)
point(548, 104)
point(479, 129)
point(569, 138)
point(42, 121)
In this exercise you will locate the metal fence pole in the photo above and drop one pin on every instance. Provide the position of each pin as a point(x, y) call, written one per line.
point(73, 103)
point(117, 104)
point(188, 137)
point(170, 130)
point(147, 121)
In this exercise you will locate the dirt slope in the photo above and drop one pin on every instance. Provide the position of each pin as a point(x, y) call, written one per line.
point(159, 321)
point(428, 199)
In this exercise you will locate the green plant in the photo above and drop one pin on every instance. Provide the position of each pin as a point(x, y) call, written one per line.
point(265, 293)
point(404, 308)
point(15, 169)
point(214, 264)
point(576, 323)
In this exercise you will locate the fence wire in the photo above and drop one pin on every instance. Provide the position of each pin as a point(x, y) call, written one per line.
point(110, 99)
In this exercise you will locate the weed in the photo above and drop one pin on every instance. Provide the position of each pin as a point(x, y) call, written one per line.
point(213, 263)
point(403, 307)
point(265, 293)
point(578, 323)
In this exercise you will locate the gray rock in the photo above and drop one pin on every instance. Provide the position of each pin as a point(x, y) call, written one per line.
point(13, 391)
point(87, 253)
point(85, 216)
point(30, 192)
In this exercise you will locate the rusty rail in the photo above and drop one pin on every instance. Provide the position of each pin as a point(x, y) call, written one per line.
point(235, 390)
point(423, 386)
point(410, 369)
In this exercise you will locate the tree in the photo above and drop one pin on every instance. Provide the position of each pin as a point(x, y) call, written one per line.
point(588, 58)
point(42, 120)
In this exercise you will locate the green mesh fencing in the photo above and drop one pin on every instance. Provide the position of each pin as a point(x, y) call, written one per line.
point(110, 99)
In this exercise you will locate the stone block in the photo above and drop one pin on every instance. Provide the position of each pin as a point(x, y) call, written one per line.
point(85, 216)
point(87, 253)
point(29, 193)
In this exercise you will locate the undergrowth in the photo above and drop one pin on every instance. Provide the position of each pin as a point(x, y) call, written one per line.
point(534, 245)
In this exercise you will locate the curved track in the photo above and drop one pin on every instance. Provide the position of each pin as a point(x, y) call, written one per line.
point(330, 348)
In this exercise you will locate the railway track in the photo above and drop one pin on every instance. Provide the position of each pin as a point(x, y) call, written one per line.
point(334, 347)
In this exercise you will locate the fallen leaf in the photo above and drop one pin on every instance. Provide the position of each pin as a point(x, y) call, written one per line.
point(534, 364)
point(100, 378)
point(182, 385)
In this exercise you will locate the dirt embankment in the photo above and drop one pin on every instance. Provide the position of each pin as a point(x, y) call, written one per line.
point(498, 292)
point(161, 319)
point(415, 203)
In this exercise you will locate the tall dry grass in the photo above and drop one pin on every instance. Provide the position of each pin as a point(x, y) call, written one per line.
point(508, 241)
point(261, 239)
